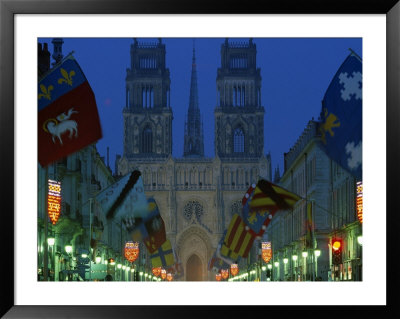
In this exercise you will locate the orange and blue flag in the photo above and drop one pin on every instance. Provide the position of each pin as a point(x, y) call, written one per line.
point(68, 119)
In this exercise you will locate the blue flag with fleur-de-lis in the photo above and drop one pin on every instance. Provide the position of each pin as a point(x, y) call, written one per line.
point(68, 119)
point(341, 117)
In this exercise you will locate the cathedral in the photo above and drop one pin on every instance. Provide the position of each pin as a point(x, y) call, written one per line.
point(197, 195)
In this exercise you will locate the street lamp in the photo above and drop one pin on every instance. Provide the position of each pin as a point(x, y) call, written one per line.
point(294, 258)
point(98, 259)
point(276, 264)
point(360, 240)
point(68, 249)
point(285, 261)
point(50, 242)
point(317, 253)
point(304, 254)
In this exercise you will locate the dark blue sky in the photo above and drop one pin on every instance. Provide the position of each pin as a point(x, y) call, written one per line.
point(295, 75)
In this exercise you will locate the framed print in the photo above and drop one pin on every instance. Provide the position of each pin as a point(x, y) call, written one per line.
point(201, 158)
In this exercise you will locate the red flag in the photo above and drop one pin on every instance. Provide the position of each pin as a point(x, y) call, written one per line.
point(68, 119)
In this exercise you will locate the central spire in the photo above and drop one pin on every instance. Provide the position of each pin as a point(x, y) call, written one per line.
point(194, 97)
point(193, 145)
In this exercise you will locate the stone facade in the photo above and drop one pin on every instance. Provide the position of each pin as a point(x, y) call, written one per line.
point(310, 173)
point(197, 196)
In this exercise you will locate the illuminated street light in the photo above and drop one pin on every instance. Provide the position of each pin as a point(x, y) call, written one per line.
point(84, 255)
point(269, 266)
point(360, 240)
point(98, 260)
point(317, 253)
point(119, 266)
point(305, 254)
point(285, 260)
point(276, 263)
point(294, 258)
point(68, 249)
point(51, 241)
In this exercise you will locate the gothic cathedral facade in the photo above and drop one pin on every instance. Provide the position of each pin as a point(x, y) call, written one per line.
point(196, 195)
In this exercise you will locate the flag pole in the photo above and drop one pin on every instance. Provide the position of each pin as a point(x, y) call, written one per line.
point(90, 238)
point(355, 54)
point(68, 56)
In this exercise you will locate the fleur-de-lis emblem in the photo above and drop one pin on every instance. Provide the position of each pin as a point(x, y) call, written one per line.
point(67, 77)
point(331, 121)
point(45, 91)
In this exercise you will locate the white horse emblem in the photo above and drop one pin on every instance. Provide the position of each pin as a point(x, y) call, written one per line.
point(60, 125)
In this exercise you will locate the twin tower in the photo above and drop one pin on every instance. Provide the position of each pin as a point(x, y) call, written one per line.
point(239, 116)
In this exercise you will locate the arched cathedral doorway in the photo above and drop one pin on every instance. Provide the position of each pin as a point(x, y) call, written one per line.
point(194, 250)
point(194, 269)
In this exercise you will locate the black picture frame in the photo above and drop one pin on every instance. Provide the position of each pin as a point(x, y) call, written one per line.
point(8, 10)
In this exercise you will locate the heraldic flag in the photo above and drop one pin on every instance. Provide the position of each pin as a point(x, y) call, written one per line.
point(68, 119)
point(256, 220)
point(261, 202)
point(124, 199)
point(216, 264)
point(341, 117)
point(270, 196)
point(218, 261)
point(163, 256)
point(150, 229)
point(238, 240)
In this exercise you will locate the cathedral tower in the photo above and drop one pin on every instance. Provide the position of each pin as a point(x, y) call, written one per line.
point(147, 113)
point(193, 144)
point(239, 116)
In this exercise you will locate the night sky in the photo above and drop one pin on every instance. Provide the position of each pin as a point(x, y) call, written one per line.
point(295, 75)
